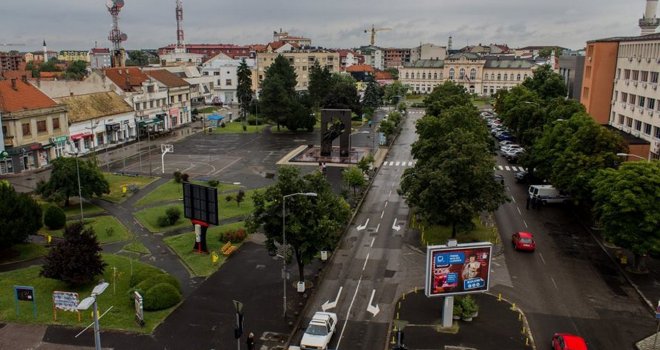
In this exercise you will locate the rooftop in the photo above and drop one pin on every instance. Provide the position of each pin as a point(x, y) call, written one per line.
point(426, 63)
point(167, 78)
point(91, 106)
point(17, 95)
point(127, 78)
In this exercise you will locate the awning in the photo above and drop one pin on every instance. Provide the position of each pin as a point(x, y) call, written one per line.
point(76, 137)
point(215, 117)
point(143, 123)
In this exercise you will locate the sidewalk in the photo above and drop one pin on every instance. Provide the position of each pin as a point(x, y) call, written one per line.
point(496, 327)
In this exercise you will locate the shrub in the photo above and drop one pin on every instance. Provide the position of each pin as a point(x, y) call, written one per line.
point(141, 275)
point(229, 198)
point(185, 177)
point(177, 177)
point(213, 183)
point(161, 296)
point(54, 218)
point(152, 281)
point(236, 236)
point(173, 215)
point(163, 221)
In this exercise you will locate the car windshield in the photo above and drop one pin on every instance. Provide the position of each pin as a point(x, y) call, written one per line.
point(526, 240)
point(314, 329)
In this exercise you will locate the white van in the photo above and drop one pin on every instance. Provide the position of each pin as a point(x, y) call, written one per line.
point(547, 194)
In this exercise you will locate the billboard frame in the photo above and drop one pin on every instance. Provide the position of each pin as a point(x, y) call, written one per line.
point(428, 277)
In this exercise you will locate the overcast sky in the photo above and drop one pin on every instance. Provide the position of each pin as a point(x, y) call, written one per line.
point(78, 24)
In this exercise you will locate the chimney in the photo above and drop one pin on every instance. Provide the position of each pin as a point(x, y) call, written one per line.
point(13, 84)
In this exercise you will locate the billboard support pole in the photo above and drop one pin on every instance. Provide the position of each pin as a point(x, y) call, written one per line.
point(448, 307)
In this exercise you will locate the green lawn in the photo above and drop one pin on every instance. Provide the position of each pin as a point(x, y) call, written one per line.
point(107, 228)
point(237, 128)
point(440, 234)
point(149, 217)
point(73, 210)
point(121, 316)
point(136, 247)
point(118, 181)
point(22, 252)
point(201, 264)
point(172, 191)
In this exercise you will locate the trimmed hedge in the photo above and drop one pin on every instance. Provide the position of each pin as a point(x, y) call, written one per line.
point(150, 282)
point(141, 275)
point(54, 218)
point(161, 296)
point(233, 236)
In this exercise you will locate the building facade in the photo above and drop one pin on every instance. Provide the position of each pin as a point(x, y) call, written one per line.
point(10, 61)
point(100, 58)
point(428, 52)
point(178, 109)
point(73, 55)
point(301, 60)
point(571, 68)
point(599, 69)
point(394, 58)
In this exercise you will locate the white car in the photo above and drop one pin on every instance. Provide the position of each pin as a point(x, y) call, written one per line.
point(319, 332)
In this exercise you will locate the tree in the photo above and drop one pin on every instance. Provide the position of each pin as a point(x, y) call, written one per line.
point(317, 223)
point(278, 95)
point(244, 89)
point(240, 197)
point(393, 93)
point(343, 94)
point(446, 96)
point(64, 179)
point(76, 260)
point(394, 72)
point(137, 58)
point(626, 206)
point(320, 84)
point(54, 217)
point(50, 66)
point(20, 216)
point(354, 178)
point(372, 97)
point(547, 51)
point(546, 83)
point(76, 70)
point(364, 164)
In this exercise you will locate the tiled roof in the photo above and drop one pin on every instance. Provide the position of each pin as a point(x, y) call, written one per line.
point(384, 76)
point(126, 78)
point(97, 50)
point(23, 97)
point(506, 62)
point(91, 106)
point(166, 77)
point(426, 63)
point(360, 68)
point(467, 55)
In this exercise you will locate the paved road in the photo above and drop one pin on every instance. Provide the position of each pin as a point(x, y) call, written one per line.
point(569, 284)
point(374, 263)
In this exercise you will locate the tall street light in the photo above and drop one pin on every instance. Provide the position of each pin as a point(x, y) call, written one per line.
point(634, 156)
point(80, 198)
point(86, 303)
point(308, 194)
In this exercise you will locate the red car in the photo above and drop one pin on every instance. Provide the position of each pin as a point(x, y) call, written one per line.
point(523, 241)
point(565, 341)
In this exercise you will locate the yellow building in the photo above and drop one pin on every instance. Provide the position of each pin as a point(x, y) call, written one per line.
point(301, 60)
point(73, 55)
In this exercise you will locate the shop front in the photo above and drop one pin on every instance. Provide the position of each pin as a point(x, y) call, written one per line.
point(82, 142)
point(174, 117)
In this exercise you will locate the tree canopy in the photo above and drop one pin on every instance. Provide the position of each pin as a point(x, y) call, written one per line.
point(63, 182)
point(372, 97)
point(20, 216)
point(445, 96)
point(76, 70)
point(342, 94)
point(244, 89)
point(626, 206)
point(546, 83)
point(312, 223)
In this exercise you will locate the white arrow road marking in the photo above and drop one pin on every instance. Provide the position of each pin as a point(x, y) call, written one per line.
point(374, 310)
point(329, 305)
point(395, 226)
point(362, 227)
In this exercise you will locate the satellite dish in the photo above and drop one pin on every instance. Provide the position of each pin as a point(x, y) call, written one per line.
point(119, 3)
point(123, 36)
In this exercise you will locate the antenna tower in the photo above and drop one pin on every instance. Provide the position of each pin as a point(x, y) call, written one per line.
point(116, 36)
point(180, 44)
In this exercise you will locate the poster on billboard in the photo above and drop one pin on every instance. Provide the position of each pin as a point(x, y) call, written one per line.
point(460, 269)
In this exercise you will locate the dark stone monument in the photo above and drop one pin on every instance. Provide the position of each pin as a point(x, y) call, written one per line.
point(335, 123)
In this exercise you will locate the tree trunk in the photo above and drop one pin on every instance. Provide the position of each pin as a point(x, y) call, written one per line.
point(453, 230)
point(639, 263)
point(66, 201)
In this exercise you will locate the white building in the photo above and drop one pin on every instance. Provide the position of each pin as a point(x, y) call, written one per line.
point(224, 71)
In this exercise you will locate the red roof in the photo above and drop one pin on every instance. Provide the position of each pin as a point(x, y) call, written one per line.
point(17, 95)
point(360, 68)
point(166, 77)
point(126, 78)
point(384, 76)
point(100, 50)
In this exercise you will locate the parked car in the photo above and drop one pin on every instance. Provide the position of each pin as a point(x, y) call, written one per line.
point(521, 176)
point(498, 178)
point(547, 194)
point(512, 155)
point(319, 332)
point(506, 142)
point(566, 341)
point(523, 241)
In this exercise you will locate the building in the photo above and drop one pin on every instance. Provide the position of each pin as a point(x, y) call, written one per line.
point(394, 58)
point(503, 73)
point(210, 50)
point(297, 40)
point(422, 75)
point(301, 60)
point(98, 121)
point(223, 70)
point(361, 72)
point(10, 61)
point(34, 127)
point(181, 58)
point(428, 52)
point(571, 69)
point(373, 56)
point(100, 58)
point(597, 79)
point(348, 58)
point(73, 55)
point(201, 86)
point(178, 109)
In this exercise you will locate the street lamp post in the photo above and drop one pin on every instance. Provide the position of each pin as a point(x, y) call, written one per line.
point(634, 156)
point(91, 301)
point(308, 194)
point(80, 199)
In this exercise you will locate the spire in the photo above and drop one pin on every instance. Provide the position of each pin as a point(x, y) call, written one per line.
point(648, 23)
point(44, 43)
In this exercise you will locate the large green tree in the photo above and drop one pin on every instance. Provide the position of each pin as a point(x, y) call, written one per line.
point(76, 70)
point(626, 206)
point(445, 96)
point(63, 182)
point(312, 223)
point(372, 97)
point(77, 259)
point(395, 92)
point(279, 101)
point(546, 83)
point(244, 89)
point(137, 58)
point(343, 94)
point(320, 84)
point(20, 216)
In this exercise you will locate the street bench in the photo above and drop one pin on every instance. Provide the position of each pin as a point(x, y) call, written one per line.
point(228, 249)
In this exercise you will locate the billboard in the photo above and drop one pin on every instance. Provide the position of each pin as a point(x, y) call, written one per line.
point(460, 269)
point(200, 203)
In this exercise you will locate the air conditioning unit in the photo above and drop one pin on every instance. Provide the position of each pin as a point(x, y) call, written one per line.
point(635, 83)
point(651, 112)
point(627, 82)
point(644, 85)
point(632, 108)
point(624, 106)
point(655, 86)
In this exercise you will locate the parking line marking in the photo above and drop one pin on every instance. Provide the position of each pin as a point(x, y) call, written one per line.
point(382, 214)
point(501, 167)
point(386, 203)
point(525, 222)
point(555, 283)
point(377, 227)
point(372, 242)
point(541, 256)
point(513, 199)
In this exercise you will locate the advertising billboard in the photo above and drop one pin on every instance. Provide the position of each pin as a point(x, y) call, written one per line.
point(200, 203)
point(460, 269)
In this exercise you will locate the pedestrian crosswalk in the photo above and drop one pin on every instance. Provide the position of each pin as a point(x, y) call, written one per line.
point(509, 168)
point(411, 163)
point(399, 163)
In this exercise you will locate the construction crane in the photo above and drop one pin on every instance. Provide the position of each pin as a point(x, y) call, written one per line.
point(373, 31)
point(12, 44)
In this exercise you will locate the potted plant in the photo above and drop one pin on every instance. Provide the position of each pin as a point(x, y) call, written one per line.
point(470, 308)
point(458, 311)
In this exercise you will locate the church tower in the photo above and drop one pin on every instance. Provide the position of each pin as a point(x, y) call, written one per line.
point(649, 22)
point(45, 52)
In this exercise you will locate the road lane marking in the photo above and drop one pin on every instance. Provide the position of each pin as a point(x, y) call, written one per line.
point(525, 222)
point(365, 262)
point(519, 212)
point(348, 313)
point(555, 283)
point(390, 193)
point(513, 199)
point(382, 214)
point(386, 203)
point(377, 227)
point(541, 256)
point(372, 242)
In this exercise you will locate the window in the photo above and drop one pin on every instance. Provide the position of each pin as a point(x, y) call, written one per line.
point(26, 129)
point(506, 76)
point(629, 122)
point(424, 75)
point(654, 77)
point(621, 119)
point(451, 73)
point(41, 126)
point(473, 74)
point(499, 76)
point(638, 125)
point(56, 123)
point(651, 103)
point(461, 74)
point(641, 101)
point(626, 74)
point(518, 77)
point(407, 75)
point(525, 76)
point(585, 92)
point(647, 128)
point(657, 132)
point(632, 99)
point(435, 76)
point(624, 97)
point(216, 73)
point(618, 73)
point(228, 82)
point(635, 75)
point(99, 139)
point(644, 76)
point(616, 95)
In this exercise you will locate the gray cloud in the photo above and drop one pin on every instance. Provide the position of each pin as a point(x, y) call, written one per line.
point(77, 24)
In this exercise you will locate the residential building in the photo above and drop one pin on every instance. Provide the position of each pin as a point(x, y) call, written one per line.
point(394, 58)
point(599, 69)
point(301, 60)
point(224, 73)
point(297, 40)
point(93, 83)
point(571, 69)
point(73, 55)
point(34, 126)
point(348, 58)
point(373, 56)
point(100, 58)
point(428, 52)
point(10, 61)
point(178, 106)
point(99, 121)
point(181, 58)
point(210, 50)
point(201, 86)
